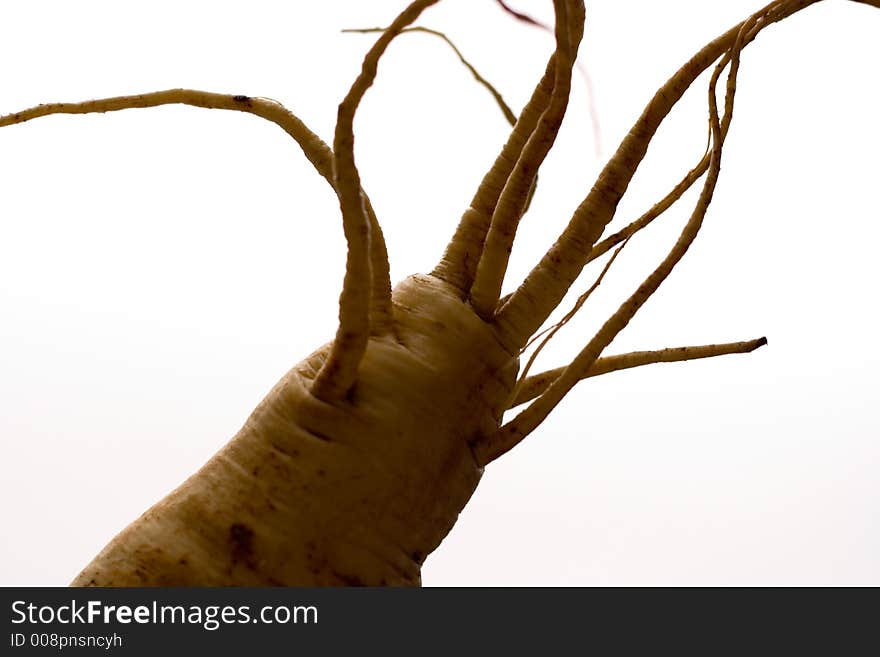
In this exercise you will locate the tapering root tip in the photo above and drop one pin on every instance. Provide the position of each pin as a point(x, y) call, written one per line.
point(761, 342)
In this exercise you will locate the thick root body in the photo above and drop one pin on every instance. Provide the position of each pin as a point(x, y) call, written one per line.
point(357, 492)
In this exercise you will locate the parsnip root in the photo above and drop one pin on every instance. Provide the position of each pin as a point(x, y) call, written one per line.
point(358, 462)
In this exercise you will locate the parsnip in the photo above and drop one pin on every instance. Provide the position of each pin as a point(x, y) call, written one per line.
point(359, 461)
point(358, 492)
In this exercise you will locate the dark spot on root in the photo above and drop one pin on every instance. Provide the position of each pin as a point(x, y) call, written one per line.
point(417, 556)
point(241, 99)
point(183, 562)
point(241, 539)
point(319, 435)
point(348, 580)
point(321, 473)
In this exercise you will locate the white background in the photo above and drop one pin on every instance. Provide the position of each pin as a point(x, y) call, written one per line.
point(160, 269)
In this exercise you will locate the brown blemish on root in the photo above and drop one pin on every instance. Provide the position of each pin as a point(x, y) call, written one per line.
point(241, 540)
point(348, 580)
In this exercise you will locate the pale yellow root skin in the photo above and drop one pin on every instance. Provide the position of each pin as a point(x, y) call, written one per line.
point(357, 492)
